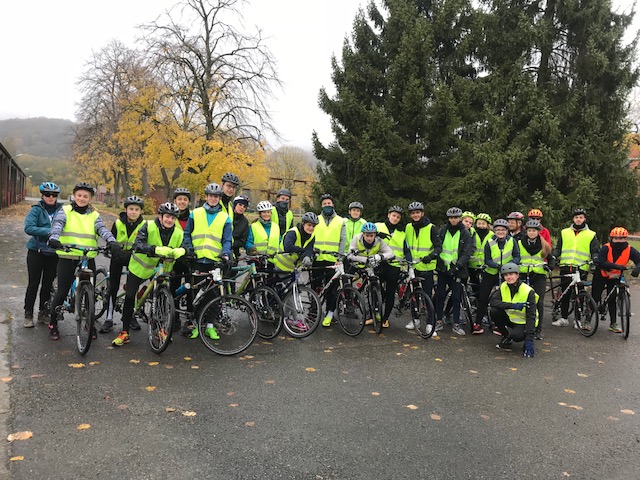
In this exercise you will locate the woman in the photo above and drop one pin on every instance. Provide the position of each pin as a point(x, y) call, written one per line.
point(41, 258)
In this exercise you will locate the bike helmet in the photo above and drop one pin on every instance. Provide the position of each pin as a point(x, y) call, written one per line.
point(84, 186)
point(241, 199)
point(356, 205)
point(213, 189)
point(395, 208)
point(469, 214)
point(49, 187)
point(284, 191)
point(133, 200)
point(534, 212)
point(369, 228)
point(531, 223)
point(310, 217)
point(326, 196)
point(454, 212)
point(182, 191)
point(415, 206)
point(231, 178)
point(619, 232)
point(579, 211)
point(515, 216)
point(264, 206)
point(484, 216)
point(501, 222)
point(169, 209)
point(509, 268)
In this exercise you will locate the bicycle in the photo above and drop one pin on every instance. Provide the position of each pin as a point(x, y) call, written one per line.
point(582, 304)
point(411, 296)
point(623, 304)
point(468, 304)
point(302, 309)
point(350, 305)
point(371, 290)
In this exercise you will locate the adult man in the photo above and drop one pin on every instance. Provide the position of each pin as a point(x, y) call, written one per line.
point(516, 230)
point(182, 199)
point(354, 222)
point(280, 212)
point(230, 182)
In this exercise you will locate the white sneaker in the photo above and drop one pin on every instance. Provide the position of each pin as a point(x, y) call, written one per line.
point(439, 325)
point(430, 329)
point(457, 329)
point(413, 324)
point(561, 322)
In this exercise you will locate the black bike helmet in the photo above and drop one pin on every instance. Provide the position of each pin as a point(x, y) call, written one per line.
point(326, 196)
point(284, 191)
point(133, 200)
point(415, 206)
point(579, 211)
point(169, 209)
point(182, 191)
point(231, 178)
point(395, 208)
point(454, 212)
point(49, 187)
point(84, 186)
point(310, 217)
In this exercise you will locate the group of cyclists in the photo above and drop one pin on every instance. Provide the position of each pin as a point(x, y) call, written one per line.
point(506, 260)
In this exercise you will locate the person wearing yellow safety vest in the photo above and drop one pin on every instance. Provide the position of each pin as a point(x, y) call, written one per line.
point(576, 248)
point(513, 310)
point(481, 235)
point(264, 233)
point(393, 234)
point(229, 183)
point(353, 223)
point(452, 267)
point(498, 251)
point(125, 229)
point(330, 237)
point(425, 244)
point(280, 212)
point(156, 239)
point(534, 251)
point(297, 244)
point(75, 224)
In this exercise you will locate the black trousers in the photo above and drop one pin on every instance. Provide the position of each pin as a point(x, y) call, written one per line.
point(118, 262)
point(486, 285)
point(450, 282)
point(427, 283)
point(130, 291)
point(320, 276)
point(538, 282)
point(41, 269)
point(65, 271)
point(515, 331)
point(389, 276)
point(598, 286)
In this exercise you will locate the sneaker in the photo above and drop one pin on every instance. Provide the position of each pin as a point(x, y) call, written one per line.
point(505, 344)
point(496, 331)
point(107, 326)
point(457, 329)
point(477, 329)
point(485, 322)
point(615, 328)
point(369, 321)
point(385, 324)
point(327, 321)
point(53, 332)
point(538, 335)
point(561, 322)
point(298, 325)
point(439, 325)
point(429, 329)
point(28, 319)
point(194, 333)
point(212, 333)
point(121, 339)
point(413, 324)
point(586, 326)
point(134, 325)
point(43, 316)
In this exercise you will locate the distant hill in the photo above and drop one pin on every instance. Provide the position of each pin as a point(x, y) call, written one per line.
point(40, 137)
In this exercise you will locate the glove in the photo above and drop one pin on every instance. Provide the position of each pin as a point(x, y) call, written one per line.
point(377, 258)
point(383, 235)
point(252, 251)
point(224, 259)
point(115, 248)
point(428, 258)
point(519, 306)
point(528, 348)
point(178, 252)
point(191, 252)
point(307, 262)
point(55, 244)
point(163, 251)
point(635, 272)
point(551, 262)
point(453, 269)
point(621, 267)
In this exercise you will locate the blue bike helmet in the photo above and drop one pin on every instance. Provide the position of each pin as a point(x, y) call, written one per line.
point(369, 228)
point(49, 187)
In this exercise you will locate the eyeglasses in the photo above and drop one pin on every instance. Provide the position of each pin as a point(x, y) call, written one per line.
point(50, 194)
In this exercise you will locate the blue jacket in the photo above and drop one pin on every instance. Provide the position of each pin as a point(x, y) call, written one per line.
point(38, 224)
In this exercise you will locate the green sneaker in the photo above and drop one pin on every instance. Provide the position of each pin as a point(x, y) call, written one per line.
point(615, 328)
point(327, 321)
point(212, 334)
point(194, 333)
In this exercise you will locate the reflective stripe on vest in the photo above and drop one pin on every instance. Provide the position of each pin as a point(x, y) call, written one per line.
point(141, 265)
point(287, 261)
point(352, 228)
point(265, 245)
point(623, 259)
point(421, 246)
point(207, 239)
point(396, 242)
point(79, 229)
point(121, 234)
point(576, 248)
point(228, 211)
point(450, 245)
point(477, 258)
point(527, 261)
point(328, 237)
point(500, 256)
point(288, 223)
point(522, 295)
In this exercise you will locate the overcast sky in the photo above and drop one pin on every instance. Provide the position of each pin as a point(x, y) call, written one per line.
point(46, 43)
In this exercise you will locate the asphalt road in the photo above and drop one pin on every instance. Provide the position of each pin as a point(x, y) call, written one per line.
point(326, 407)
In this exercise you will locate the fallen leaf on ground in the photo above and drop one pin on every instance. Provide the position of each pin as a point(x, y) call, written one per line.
point(153, 364)
point(123, 406)
point(566, 474)
point(94, 363)
point(399, 353)
point(76, 365)
point(195, 367)
point(17, 458)
point(327, 351)
point(189, 414)
point(6, 379)
point(435, 416)
point(406, 345)
point(168, 366)
point(473, 371)
point(452, 337)
point(310, 369)
point(613, 419)
point(19, 436)
point(134, 361)
point(234, 405)
point(576, 407)
point(513, 369)
point(83, 426)
point(187, 358)
point(438, 359)
point(169, 409)
point(37, 375)
point(547, 343)
point(583, 375)
point(546, 350)
point(499, 358)
point(485, 417)
point(628, 412)
point(412, 407)
point(269, 382)
point(230, 394)
point(375, 394)
point(568, 390)
point(563, 404)
point(249, 424)
point(150, 388)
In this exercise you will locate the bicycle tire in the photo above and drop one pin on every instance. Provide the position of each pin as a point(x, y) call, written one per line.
point(235, 321)
point(101, 292)
point(350, 311)
point(302, 320)
point(375, 302)
point(84, 315)
point(467, 309)
point(624, 311)
point(423, 310)
point(585, 312)
point(269, 308)
point(160, 324)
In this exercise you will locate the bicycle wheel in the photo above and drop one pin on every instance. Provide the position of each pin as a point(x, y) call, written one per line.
point(101, 292)
point(467, 309)
point(161, 320)
point(375, 302)
point(624, 311)
point(585, 312)
point(350, 311)
point(422, 309)
point(84, 315)
point(268, 306)
point(302, 311)
point(235, 321)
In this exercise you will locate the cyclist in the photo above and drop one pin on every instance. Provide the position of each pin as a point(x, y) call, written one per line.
point(516, 230)
point(577, 245)
point(330, 237)
point(159, 237)
point(281, 214)
point(393, 234)
point(41, 258)
point(75, 224)
point(229, 183)
point(611, 257)
point(482, 234)
point(498, 251)
point(424, 243)
point(452, 267)
point(534, 251)
point(536, 214)
point(353, 223)
point(125, 229)
point(513, 309)
point(468, 219)
point(182, 198)
point(240, 223)
point(297, 243)
point(264, 234)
